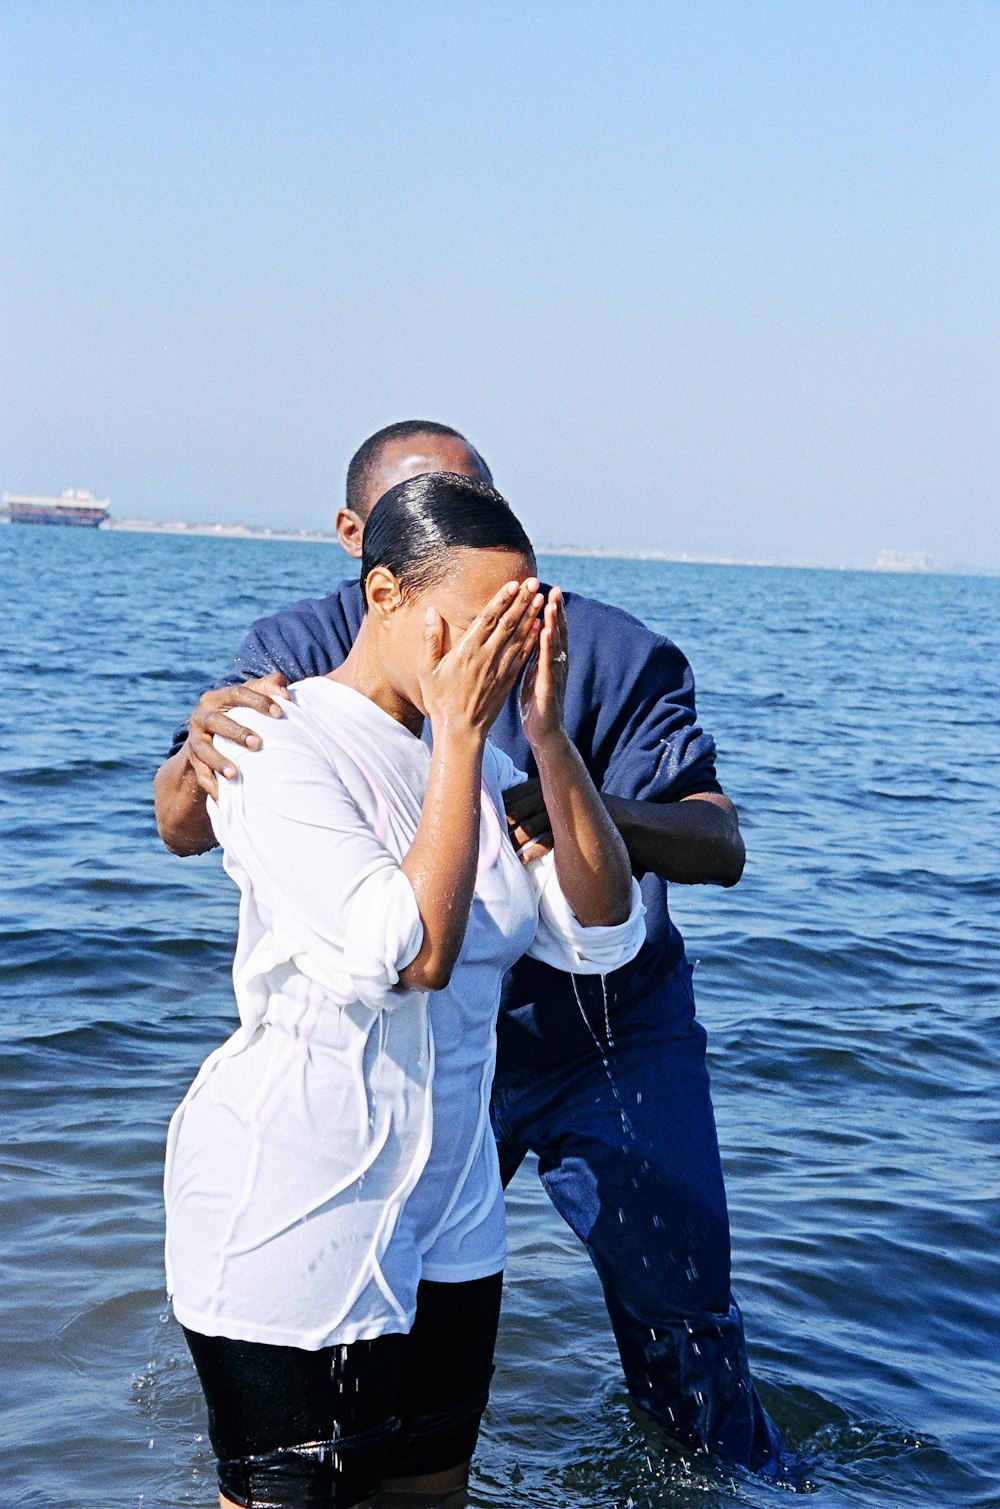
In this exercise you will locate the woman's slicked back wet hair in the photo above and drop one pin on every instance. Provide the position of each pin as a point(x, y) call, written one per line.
point(414, 528)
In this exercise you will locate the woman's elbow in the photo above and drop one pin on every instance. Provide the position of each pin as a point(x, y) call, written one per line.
point(611, 906)
point(617, 906)
point(429, 974)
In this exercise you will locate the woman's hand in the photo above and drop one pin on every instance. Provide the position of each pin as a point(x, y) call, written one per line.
point(465, 688)
point(462, 689)
point(543, 691)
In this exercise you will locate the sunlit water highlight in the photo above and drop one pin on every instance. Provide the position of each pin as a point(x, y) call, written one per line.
point(848, 986)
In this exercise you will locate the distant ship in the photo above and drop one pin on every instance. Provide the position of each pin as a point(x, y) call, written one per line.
point(76, 507)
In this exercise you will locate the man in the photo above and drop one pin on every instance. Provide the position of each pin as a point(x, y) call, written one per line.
point(604, 1079)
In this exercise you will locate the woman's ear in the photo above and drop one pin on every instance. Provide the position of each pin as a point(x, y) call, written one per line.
point(383, 592)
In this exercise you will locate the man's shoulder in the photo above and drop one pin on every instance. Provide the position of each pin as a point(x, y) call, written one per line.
point(606, 633)
point(308, 638)
point(315, 614)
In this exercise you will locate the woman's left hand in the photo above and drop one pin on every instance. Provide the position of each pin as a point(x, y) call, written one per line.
point(543, 689)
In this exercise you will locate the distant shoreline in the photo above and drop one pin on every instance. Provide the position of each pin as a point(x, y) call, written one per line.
point(181, 529)
point(319, 536)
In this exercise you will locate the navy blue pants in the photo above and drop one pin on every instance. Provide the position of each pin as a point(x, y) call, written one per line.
point(621, 1119)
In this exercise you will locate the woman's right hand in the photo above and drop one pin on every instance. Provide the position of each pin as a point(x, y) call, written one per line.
point(465, 687)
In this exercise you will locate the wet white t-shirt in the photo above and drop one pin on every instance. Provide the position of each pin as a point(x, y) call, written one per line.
point(337, 1148)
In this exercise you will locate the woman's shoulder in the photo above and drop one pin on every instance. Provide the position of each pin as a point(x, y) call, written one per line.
point(297, 735)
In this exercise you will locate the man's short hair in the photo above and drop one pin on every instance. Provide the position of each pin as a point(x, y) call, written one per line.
point(366, 458)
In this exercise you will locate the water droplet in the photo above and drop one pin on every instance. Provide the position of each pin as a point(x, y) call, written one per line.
point(607, 1016)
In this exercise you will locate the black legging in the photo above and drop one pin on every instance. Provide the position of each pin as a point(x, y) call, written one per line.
point(322, 1429)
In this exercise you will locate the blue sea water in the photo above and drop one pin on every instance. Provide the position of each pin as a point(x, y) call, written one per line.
point(848, 984)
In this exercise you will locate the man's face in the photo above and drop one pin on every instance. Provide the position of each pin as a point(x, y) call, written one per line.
point(400, 460)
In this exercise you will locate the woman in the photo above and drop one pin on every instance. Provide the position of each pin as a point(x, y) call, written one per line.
point(335, 1232)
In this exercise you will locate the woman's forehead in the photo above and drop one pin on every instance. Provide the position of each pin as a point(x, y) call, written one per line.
point(474, 576)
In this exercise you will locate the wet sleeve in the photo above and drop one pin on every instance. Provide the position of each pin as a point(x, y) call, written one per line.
point(561, 940)
point(655, 749)
point(565, 943)
point(330, 897)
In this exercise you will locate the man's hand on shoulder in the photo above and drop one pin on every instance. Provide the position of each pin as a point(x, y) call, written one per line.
point(185, 781)
point(264, 695)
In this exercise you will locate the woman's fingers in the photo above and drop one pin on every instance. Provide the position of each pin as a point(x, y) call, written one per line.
point(516, 632)
point(433, 637)
point(513, 653)
point(547, 651)
point(557, 640)
point(502, 637)
point(513, 604)
point(562, 627)
point(543, 692)
point(483, 625)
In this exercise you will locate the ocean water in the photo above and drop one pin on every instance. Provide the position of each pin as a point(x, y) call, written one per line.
point(848, 984)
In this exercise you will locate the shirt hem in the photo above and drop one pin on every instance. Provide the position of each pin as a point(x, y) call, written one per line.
point(463, 1273)
point(277, 1336)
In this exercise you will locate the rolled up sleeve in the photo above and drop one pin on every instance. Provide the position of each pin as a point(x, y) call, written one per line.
point(561, 939)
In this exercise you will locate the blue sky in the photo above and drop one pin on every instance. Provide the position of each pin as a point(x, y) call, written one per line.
point(707, 277)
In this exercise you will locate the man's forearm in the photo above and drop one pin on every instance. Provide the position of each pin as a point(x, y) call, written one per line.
point(181, 807)
point(695, 841)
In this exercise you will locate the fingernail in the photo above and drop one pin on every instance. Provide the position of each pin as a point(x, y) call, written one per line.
point(230, 772)
point(253, 742)
point(276, 711)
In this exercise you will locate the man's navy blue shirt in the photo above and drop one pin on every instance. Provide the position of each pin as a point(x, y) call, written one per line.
point(630, 710)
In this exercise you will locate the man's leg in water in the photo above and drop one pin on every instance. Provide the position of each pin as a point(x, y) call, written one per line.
point(628, 1154)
